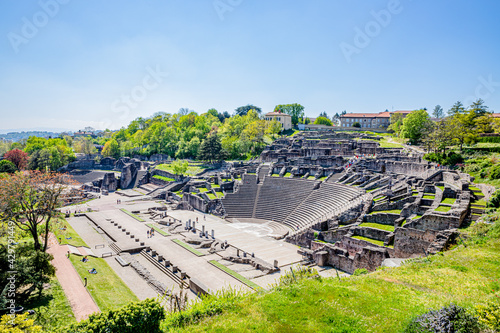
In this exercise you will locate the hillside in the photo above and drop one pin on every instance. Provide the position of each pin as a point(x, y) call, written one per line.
point(383, 301)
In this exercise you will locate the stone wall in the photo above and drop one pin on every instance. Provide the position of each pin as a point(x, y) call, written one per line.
point(411, 243)
point(129, 173)
point(195, 202)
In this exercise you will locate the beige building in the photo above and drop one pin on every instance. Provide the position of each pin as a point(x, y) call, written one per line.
point(370, 120)
point(284, 119)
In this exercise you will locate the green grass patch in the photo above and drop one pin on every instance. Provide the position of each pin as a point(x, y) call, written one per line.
point(378, 226)
point(166, 179)
point(211, 196)
point(192, 170)
point(373, 241)
point(288, 174)
point(158, 229)
point(203, 190)
point(450, 201)
point(275, 175)
point(480, 203)
point(52, 309)
point(69, 232)
point(428, 197)
point(215, 185)
point(237, 276)
point(475, 189)
point(379, 198)
point(384, 143)
point(416, 217)
point(108, 289)
point(440, 187)
point(311, 177)
point(188, 247)
point(442, 209)
point(391, 211)
point(132, 215)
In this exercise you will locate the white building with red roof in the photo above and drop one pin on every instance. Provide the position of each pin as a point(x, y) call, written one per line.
point(370, 120)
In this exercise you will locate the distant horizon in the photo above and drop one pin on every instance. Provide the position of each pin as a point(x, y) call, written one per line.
point(69, 64)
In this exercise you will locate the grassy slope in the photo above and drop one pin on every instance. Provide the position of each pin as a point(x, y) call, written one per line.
point(52, 309)
point(75, 240)
point(108, 289)
point(384, 301)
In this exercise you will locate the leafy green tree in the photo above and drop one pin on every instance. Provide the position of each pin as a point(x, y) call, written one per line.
point(457, 108)
point(323, 121)
point(396, 123)
point(213, 112)
point(356, 124)
point(243, 110)
point(438, 112)
point(211, 149)
point(295, 110)
point(84, 146)
point(179, 167)
point(415, 125)
point(7, 166)
point(111, 149)
point(274, 127)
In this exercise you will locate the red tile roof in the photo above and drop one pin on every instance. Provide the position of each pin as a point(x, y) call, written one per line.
point(276, 114)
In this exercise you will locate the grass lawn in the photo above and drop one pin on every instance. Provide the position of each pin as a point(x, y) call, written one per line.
point(203, 190)
point(475, 189)
point(392, 211)
point(108, 289)
point(416, 217)
point(157, 229)
point(442, 209)
point(378, 226)
point(373, 241)
point(166, 179)
point(188, 247)
point(384, 143)
point(215, 185)
point(288, 174)
point(480, 203)
point(381, 302)
point(379, 198)
point(132, 215)
point(52, 309)
point(211, 196)
point(450, 201)
point(234, 274)
point(192, 170)
point(311, 177)
point(440, 187)
point(428, 197)
point(75, 238)
point(275, 175)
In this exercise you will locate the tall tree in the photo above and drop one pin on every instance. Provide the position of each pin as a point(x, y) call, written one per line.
point(111, 149)
point(323, 114)
point(243, 110)
point(7, 166)
point(295, 110)
point(29, 200)
point(18, 157)
point(479, 108)
point(416, 125)
point(323, 121)
point(438, 112)
point(211, 149)
point(457, 108)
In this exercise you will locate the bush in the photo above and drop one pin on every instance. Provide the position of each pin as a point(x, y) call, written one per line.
point(489, 315)
point(358, 125)
point(495, 172)
point(432, 157)
point(135, 317)
point(360, 271)
point(7, 166)
point(494, 200)
point(452, 159)
point(449, 319)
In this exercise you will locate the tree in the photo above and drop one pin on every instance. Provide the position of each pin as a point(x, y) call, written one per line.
point(18, 157)
point(396, 123)
point(213, 112)
point(243, 110)
point(84, 146)
point(20, 324)
point(323, 114)
point(478, 108)
point(29, 200)
point(415, 125)
point(211, 149)
point(7, 166)
point(356, 124)
point(336, 119)
point(179, 167)
point(457, 108)
point(438, 112)
point(111, 149)
point(33, 269)
point(295, 110)
point(274, 127)
point(323, 121)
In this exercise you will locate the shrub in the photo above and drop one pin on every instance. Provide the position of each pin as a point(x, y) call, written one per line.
point(360, 271)
point(432, 157)
point(495, 172)
point(452, 159)
point(7, 166)
point(358, 125)
point(449, 319)
point(494, 200)
point(134, 317)
point(489, 315)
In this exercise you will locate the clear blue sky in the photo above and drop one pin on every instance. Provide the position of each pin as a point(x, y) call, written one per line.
point(83, 58)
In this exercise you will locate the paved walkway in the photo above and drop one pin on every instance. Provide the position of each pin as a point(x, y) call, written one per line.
point(79, 299)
